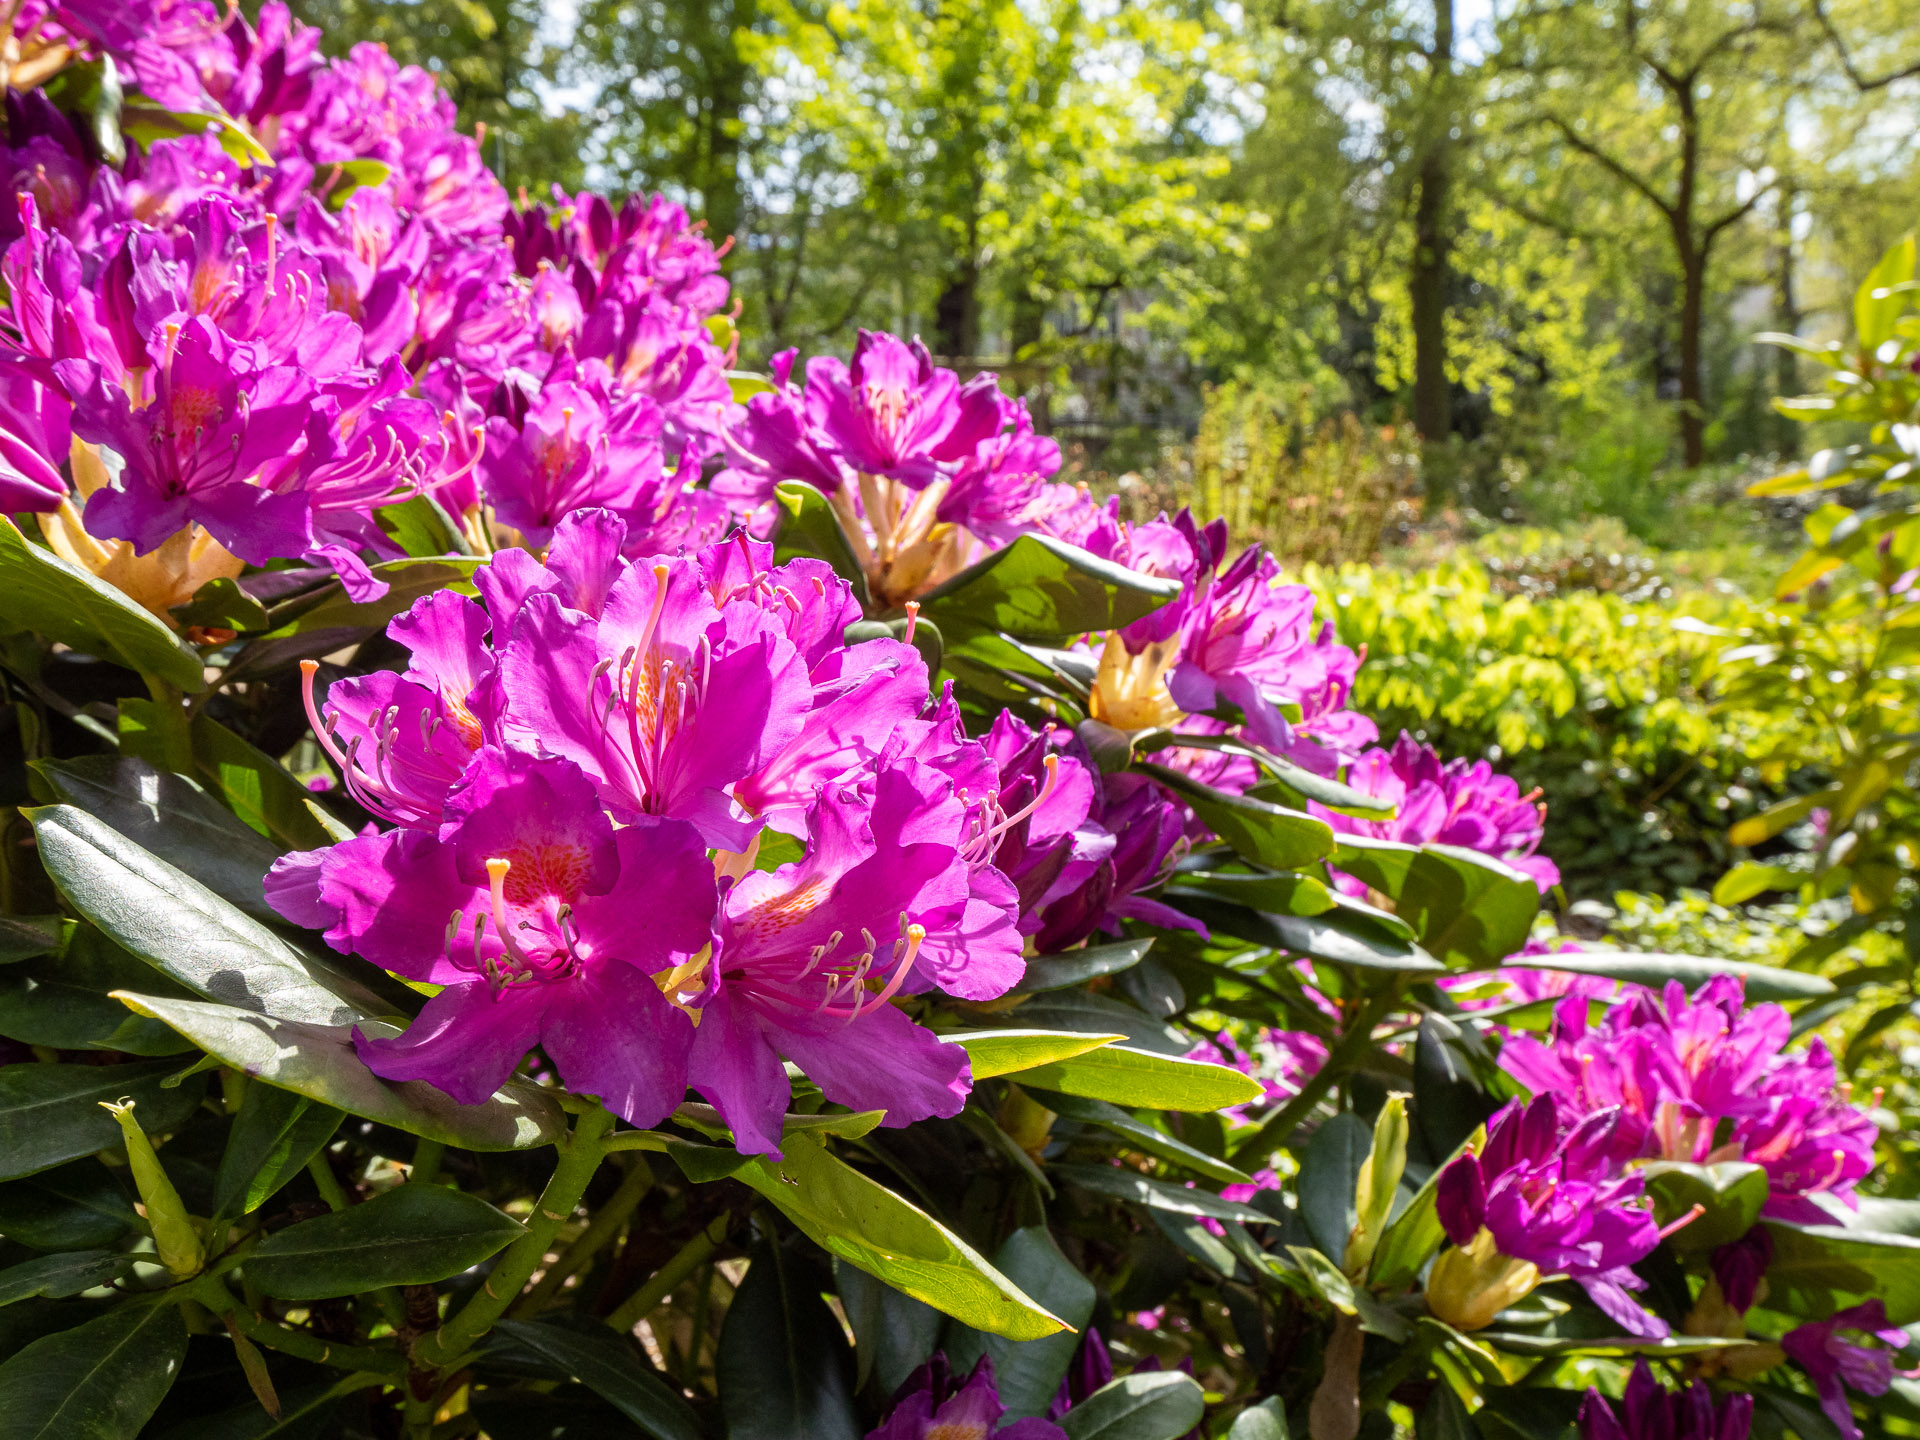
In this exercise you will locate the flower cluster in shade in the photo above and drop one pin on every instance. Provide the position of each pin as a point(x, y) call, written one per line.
point(658, 818)
point(934, 1404)
point(1648, 1409)
point(349, 315)
point(1446, 802)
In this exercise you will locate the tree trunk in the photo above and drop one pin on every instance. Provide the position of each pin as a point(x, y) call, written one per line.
point(1786, 372)
point(956, 313)
point(1026, 331)
point(1427, 281)
point(1692, 252)
point(731, 74)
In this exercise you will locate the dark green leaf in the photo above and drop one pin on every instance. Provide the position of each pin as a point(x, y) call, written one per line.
point(1265, 1421)
point(866, 1224)
point(1731, 1194)
point(1532, 1414)
point(1266, 834)
point(273, 1137)
point(893, 1334)
point(24, 936)
point(74, 1207)
point(1029, 1372)
point(62, 602)
point(1329, 1171)
point(221, 604)
point(306, 1413)
point(40, 1004)
point(783, 1366)
point(1157, 1405)
point(1142, 1134)
point(607, 1363)
point(1128, 1185)
point(1443, 1417)
point(99, 1382)
point(1763, 982)
point(169, 815)
point(411, 1235)
point(187, 932)
point(1466, 910)
point(1817, 1269)
point(50, 1114)
point(1039, 588)
point(1338, 936)
point(1076, 967)
point(61, 1275)
point(809, 528)
point(1449, 1104)
point(408, 579)
point(319, 1062)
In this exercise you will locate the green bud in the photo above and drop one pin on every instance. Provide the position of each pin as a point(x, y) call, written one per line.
point(174, 1235)
point(1379, 1178)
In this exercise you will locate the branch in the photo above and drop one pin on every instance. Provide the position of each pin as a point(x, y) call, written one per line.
point(1595, 153)
point(1864, 86)
point(1713, 229)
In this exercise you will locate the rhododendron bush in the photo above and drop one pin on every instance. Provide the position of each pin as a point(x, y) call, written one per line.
point(555, 886)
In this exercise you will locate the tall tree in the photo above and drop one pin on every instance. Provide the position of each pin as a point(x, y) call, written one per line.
point(1684, 104)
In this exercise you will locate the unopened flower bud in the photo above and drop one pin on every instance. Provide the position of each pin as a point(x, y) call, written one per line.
point(1472, 1283)
point(174, 1235)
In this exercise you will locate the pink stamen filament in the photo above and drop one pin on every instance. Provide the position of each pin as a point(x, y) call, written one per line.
point(1687, 1219)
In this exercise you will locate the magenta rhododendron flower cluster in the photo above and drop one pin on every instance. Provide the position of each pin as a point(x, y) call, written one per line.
point(582, 769)
point(1235, 643)
point(1706, 1078)
point(274, 351)
point(1447, 802)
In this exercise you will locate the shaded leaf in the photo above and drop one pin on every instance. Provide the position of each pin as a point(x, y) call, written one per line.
point(274, 1135)
point(169, 815)
point(1076, 967)
point(1763, 982)
point(607, 1364)
point(893, 1333)
point(63, 602)
point(187, 932)
point(1029, 1372)
point(57, 1276)
point(1156, 1405)
point(1266, 834)
point(1129, 1185)
point(319, 1062)
point(783, 1365)
point(50, 1114)
point(1329, 1171)
point(1142, 1134)
point(101, 1381)
point(410, 1235)
point(72, 1207)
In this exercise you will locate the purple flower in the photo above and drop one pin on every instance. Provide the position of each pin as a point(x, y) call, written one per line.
point(1236, 641)
point(1704, 1079)
point(1836, 1365)
point(1740, 1265)
point(1650, 1412)
point(1281, 1061)
point(403, 741)
point(1539, 1200)
point(1452, 802)
point(198, 451)
point(576, 449)
point(544, 923)
point(665, 698)
point(807, 956)
point(34, 438)
point(931, 1406)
